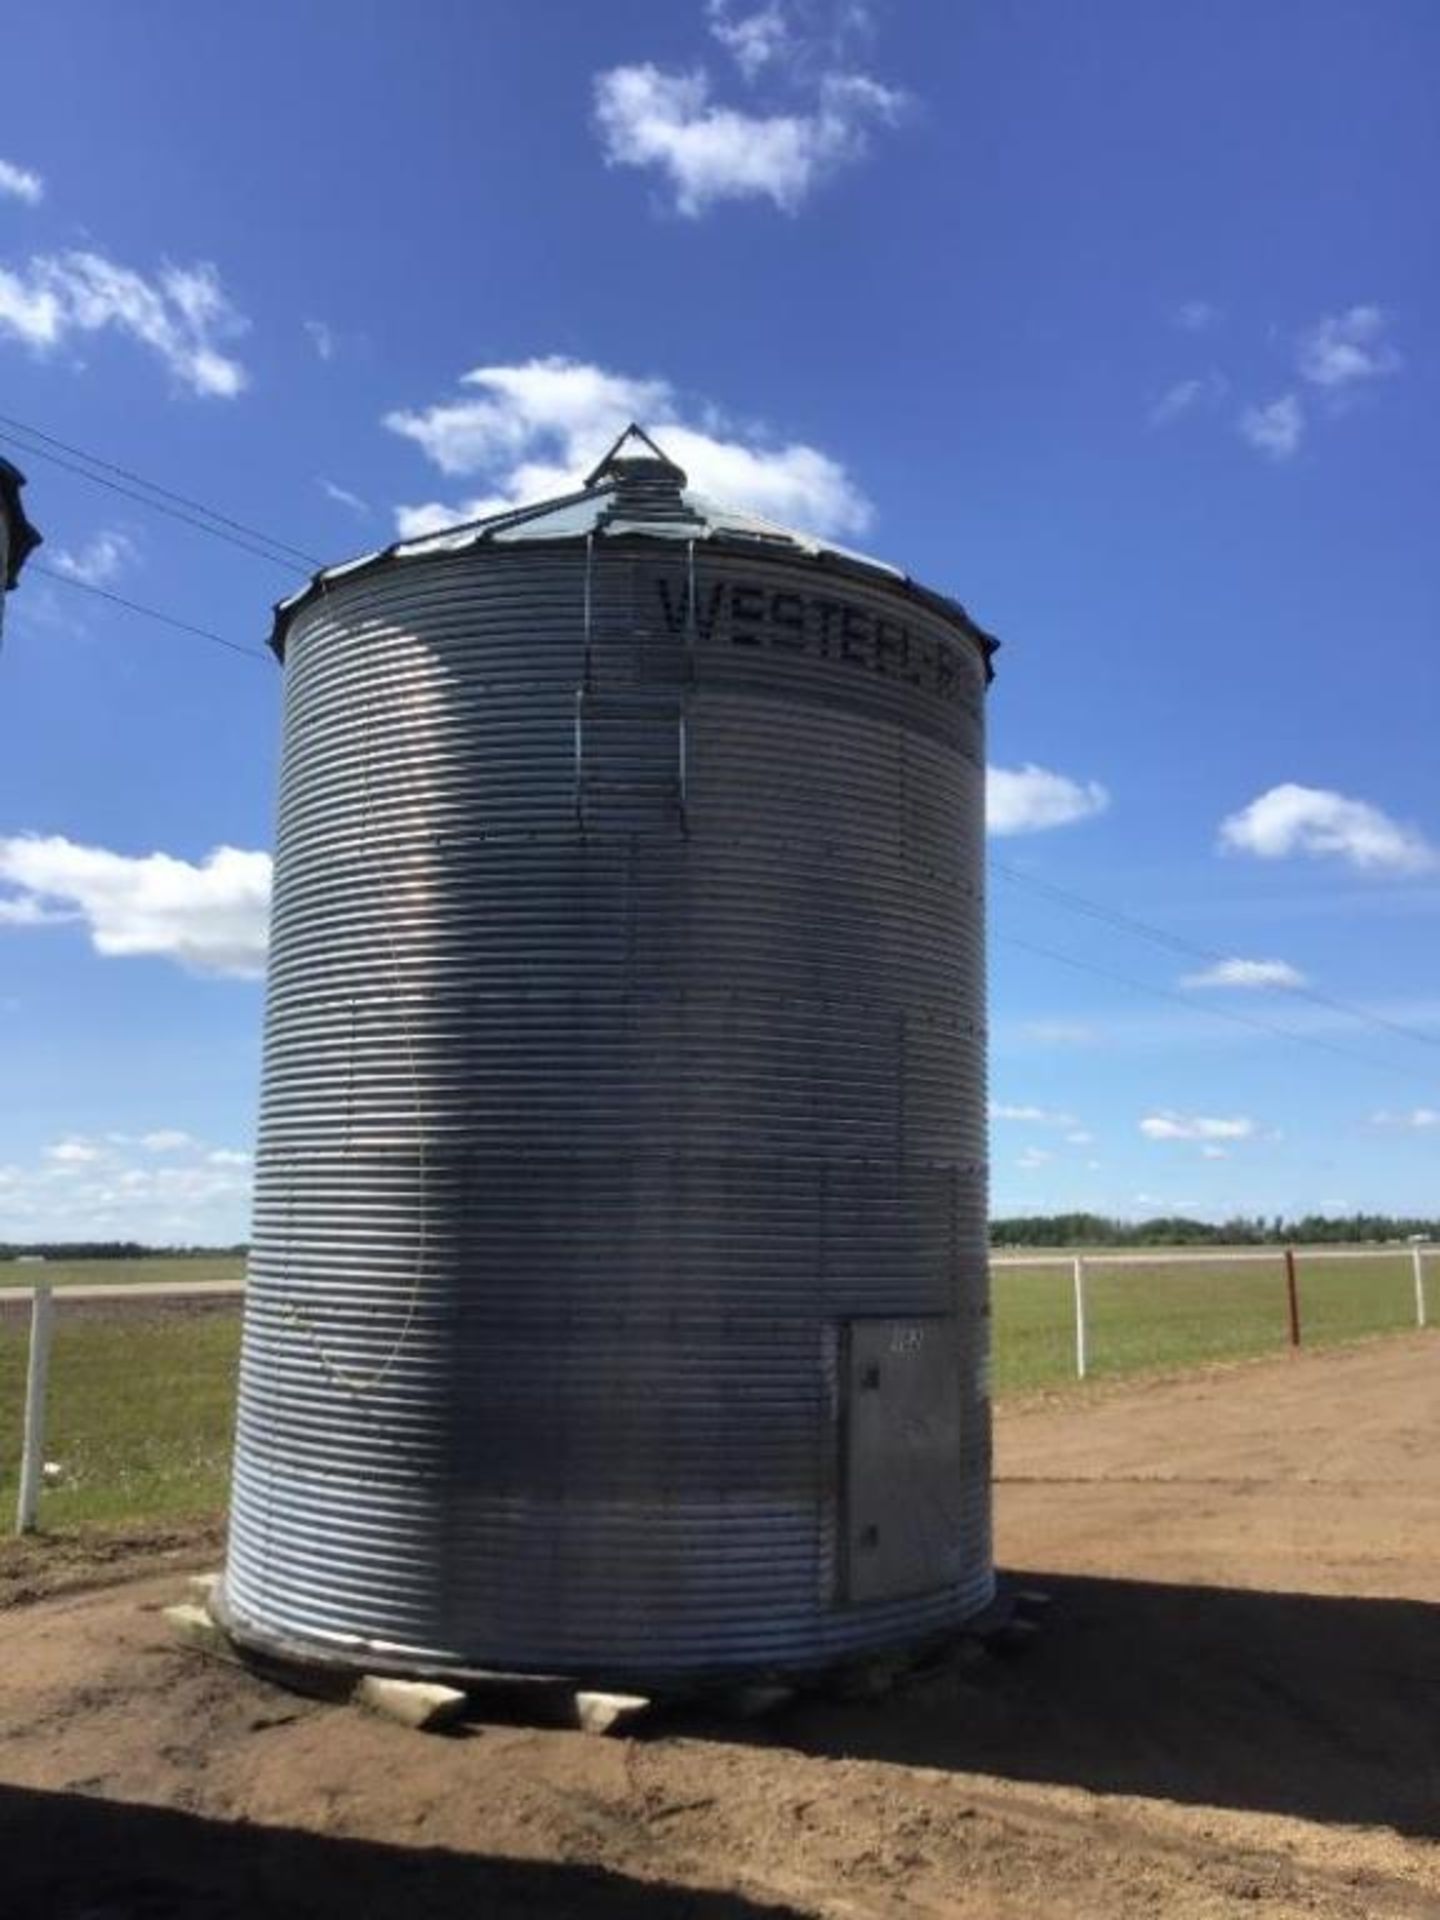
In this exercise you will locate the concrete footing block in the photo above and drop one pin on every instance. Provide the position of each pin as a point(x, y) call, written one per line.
point(608, 1712)
point(194, 1626)
point(421, 1704)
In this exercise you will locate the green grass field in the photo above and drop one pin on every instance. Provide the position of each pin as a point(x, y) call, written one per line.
point(141, 1396)
point(176, 1270)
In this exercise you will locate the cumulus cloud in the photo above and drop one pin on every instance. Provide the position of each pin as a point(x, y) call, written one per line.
point(820, 115)
point(1292, 819)
point(180, 314)
point(755, 40)
point(167, 1140)
point(211, 916)
point(1343, 348)
point(1419, 1119)
point(1275, 429)
point(1188, 396)
point(1246, 973)
point(85, 1188)
point(19, 183)
point(1195, 1126)
point(1031, 1116)
point(74, 1153)
point(647, 117)
point(536, 428)
point(1029, 799)
point(103, 558)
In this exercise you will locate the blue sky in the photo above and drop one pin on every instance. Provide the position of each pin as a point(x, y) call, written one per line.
point(1116, 322)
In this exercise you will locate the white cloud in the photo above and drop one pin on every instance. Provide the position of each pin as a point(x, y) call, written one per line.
point(227, 1157)
point(19, 183)
point(1343, 348)
point(1034, 1157)
point(536, 428)
point(1291, 819)
point(1194, 316)
point(321, 338)
point(210, 916)
point(1031, 1116)
point(80, 1190)
point(1277, 428)
point(1214, 1153)
point(1188, 396)
point(1030, 798)
point(1181, 1126)
point(343, 497)
point(103, 558)
point(1418, 1118)
point(650, 118)
point(1246, 973)
point(26, 911)
point(753, 40)
point(1079, 1138)
point(181, 314)
point(74, 1153)
point(167, 1140)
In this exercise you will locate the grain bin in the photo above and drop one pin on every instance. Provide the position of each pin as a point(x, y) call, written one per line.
point(618, 1305)
point(17, 537)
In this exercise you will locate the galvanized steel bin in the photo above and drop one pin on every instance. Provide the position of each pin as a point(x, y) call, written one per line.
point(618, 1297)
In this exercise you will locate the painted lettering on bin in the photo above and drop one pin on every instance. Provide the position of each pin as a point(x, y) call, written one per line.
point(754, 618)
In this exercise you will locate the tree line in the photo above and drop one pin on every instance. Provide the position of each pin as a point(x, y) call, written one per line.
point(1311, 1229)
point(1024, 1230)
point(105, 1250)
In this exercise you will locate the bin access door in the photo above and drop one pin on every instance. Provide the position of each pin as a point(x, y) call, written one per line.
point(902, 1458)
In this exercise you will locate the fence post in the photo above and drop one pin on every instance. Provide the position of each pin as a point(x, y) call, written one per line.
point(37, 1372)
point(1292, 1291)
point(1079, 1318)
point(1417, 1256)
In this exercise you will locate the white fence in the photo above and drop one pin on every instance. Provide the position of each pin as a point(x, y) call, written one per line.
point(1078, 1274)
point(1079, 1266)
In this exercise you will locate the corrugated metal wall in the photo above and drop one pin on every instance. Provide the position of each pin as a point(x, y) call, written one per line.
point(624, 1045)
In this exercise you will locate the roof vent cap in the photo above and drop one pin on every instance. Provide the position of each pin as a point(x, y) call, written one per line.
point(645, 483)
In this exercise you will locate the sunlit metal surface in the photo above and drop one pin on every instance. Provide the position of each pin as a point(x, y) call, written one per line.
point(624, 1047)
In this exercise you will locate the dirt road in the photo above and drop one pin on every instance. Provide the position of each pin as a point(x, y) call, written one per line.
point(1234, 1708)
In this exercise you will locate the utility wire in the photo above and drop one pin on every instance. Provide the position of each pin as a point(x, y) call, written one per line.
point(178, 506)
point(150, 613)
point(1189, 949)
point(1192, 1006)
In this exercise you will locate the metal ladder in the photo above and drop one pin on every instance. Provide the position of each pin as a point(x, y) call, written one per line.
point(630, 706)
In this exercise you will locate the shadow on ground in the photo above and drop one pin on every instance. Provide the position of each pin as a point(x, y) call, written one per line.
point(70, 1857)
point(1274, 1702)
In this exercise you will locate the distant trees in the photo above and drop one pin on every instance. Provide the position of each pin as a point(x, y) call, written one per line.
point(1313, 1229)
point(104, 1250)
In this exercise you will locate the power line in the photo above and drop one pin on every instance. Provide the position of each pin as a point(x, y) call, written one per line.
point(178, 506)
point(150, 613)
point(1215, 1013)
point(1189, 949)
